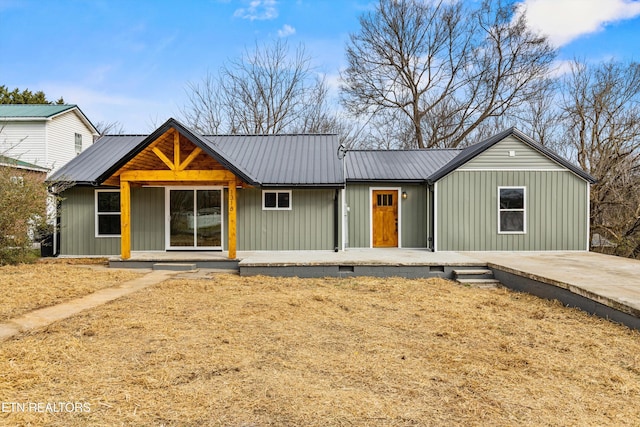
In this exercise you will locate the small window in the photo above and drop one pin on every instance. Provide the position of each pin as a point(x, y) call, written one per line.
point(511, 210)
point(107, 213)
point(385, 200)
point(276, 200)
point(78, 143)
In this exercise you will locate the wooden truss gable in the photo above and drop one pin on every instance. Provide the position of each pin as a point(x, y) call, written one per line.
point(174, 160)
point(174, 157)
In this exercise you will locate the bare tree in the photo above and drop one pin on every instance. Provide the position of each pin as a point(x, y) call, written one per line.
point(109, 128)
point(204, 110)
point(265, 91)
point(446, 68)
point(601, 122)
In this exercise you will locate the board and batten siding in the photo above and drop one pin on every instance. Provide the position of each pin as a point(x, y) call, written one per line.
point(414, 211)
point(498, 157)
point(77, 232)
point(147, 219)
point(307, 226)
point(467, 211)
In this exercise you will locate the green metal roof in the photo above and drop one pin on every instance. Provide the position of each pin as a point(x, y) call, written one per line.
point(33, 110)
point(19, 164)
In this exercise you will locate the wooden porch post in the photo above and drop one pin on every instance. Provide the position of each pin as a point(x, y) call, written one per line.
point(125, 219)
point(232, 219)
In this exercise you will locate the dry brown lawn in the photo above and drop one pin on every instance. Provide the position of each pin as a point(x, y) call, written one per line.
point(28, 287)
point(261, 351)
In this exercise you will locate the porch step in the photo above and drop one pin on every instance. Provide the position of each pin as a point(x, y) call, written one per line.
point(479, 277)
point(473, 272)
point(174, 266)
point(480, 283)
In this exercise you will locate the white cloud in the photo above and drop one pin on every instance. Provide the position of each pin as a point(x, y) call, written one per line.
point(286, 30)
point(258, 10)
point(561, 67)
point(131, 112)
point(566, 20)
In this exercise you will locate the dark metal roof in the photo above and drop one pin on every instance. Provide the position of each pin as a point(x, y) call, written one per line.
point(474, 150)
point(396, 165)
point(284, 160)
point(264, 160)
point(291, 160)
point(93, 162)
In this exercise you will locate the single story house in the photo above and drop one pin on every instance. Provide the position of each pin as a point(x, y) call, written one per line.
point(177, 190)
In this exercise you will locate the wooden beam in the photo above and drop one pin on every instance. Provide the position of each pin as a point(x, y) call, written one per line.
point(173, 175)
point(190, 158)
point(164, 158)
point(125, 220)
point(176, 148)
point(232, 219)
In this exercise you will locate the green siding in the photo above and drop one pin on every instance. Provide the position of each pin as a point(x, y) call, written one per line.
point(77, 226)
point(77, 233)
point(497, 157)
point(147, 219)
point(414, 219)
point(307, 226)
point(467, 211)
point(359, 217)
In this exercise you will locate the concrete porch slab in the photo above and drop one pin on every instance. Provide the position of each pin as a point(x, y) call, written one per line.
point(609, 280)
point(373, 257)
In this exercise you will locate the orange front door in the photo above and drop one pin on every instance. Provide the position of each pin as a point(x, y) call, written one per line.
point(385, 218)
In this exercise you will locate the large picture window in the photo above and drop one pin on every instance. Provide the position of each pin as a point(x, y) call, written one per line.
point(511, 210)
point(276, 200)
point(107, 213)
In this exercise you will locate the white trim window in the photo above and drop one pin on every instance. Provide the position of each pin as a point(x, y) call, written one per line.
point(107, 213)
point(512, 211)
point(273, 200)
point(78, 143)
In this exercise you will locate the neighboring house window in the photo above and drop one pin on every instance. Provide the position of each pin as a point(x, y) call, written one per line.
point(78, 143)
point(107, 213)
point(511, 210)
point(276, 200)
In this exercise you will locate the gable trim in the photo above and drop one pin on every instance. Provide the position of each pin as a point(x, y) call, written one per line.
point(473, 151)
point(195, 139)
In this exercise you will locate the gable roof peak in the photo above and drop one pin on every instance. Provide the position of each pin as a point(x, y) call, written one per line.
point(474, 150)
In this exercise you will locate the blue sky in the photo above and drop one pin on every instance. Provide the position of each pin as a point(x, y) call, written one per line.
point(130, 60)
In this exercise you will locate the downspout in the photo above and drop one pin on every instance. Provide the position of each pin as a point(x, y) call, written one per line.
point(431, 225)
point(56, 229)
point(336, 221)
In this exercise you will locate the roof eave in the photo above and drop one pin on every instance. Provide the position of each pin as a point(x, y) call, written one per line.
point(386, 180)
point(303, 185)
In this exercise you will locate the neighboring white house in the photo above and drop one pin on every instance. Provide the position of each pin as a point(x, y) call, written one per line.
point(45, 135)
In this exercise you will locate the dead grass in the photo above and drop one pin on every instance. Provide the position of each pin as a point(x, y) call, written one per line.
point(288, 352)
point(27, 287)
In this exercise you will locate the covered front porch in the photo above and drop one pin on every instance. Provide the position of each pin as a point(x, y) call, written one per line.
point(195, 184)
